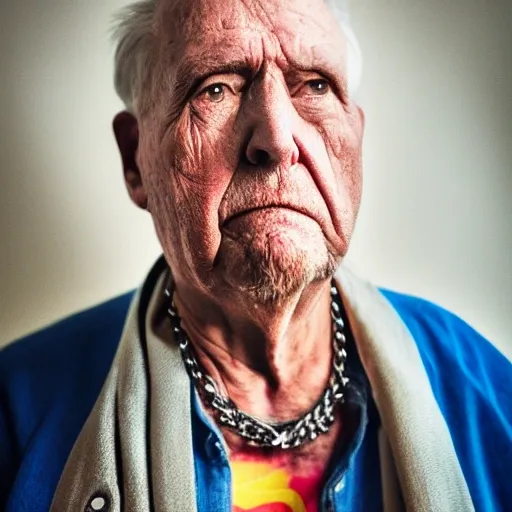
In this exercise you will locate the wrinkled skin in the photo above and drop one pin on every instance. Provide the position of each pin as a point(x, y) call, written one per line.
point(248, 156)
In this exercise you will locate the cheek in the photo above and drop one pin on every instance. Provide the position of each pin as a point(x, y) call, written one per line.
point(196, 167)
point(342, 136)
point(203, 165)
point(185, 149)
point(202, 150)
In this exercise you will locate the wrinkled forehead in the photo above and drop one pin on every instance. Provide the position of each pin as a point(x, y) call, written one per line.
point(301, 31)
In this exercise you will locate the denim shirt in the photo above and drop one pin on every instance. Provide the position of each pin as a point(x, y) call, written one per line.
point(353, 480)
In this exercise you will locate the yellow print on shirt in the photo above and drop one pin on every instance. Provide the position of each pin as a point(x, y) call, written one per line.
point(260, 487)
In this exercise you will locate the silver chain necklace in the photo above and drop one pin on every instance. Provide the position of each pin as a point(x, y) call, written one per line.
point(289, 434)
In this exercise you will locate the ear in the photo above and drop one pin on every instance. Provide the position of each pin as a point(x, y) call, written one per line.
point(126, 131)
point(362, 120)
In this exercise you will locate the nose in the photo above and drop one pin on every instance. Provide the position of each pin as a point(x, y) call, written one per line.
point(271, 116)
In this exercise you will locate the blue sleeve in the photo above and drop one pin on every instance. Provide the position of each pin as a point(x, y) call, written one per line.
point(472, 382)
point(49, 382)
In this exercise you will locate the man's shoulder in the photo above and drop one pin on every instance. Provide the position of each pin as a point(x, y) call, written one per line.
point(438, 331)
point(447, 342)
point(65, 343)
point(79, 346)
point(420, 311)
point(49, 382)
point(472, 383)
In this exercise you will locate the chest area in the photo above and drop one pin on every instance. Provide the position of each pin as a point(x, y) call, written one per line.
point(268, 486)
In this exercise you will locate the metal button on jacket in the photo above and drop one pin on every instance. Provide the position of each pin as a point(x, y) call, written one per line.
point(98, 503)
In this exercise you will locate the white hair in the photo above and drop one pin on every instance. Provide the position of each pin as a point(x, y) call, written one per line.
point(133, 32)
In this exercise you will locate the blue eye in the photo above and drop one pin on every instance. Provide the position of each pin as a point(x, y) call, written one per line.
point(319, 86)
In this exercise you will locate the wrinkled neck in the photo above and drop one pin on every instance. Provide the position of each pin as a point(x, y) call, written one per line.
point(273, 362)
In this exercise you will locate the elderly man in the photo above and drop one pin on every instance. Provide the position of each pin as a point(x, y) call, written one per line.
point(253, 371)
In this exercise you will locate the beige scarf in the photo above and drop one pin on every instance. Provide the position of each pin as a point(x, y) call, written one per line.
point(135, 454)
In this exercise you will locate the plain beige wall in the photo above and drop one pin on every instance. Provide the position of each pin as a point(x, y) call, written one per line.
point(436, 219)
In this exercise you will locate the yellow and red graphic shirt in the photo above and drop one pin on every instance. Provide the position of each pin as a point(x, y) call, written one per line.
point(262, 487)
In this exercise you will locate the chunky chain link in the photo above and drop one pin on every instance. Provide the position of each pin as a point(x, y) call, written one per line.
point(285, 435)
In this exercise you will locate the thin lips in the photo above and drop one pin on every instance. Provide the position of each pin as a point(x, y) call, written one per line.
point(295, 208)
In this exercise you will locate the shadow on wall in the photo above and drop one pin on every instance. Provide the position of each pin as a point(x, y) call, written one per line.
point(65, 219)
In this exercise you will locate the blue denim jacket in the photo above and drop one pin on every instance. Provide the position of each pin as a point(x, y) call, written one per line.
point(50, 380)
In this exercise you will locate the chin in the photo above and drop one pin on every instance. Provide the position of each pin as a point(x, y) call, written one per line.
point(270, 270)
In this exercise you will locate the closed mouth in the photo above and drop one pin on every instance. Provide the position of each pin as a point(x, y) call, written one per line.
point(266, 207)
